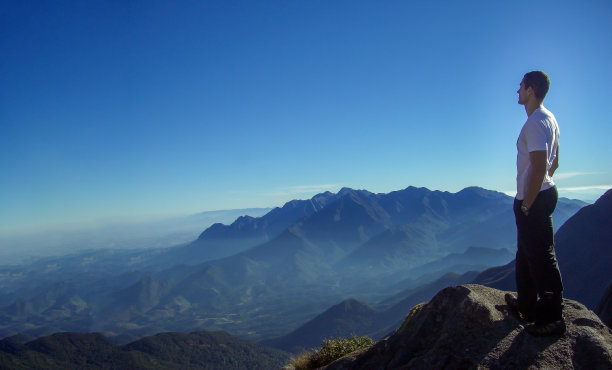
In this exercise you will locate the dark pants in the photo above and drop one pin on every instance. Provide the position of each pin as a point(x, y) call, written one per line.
point(537, 271)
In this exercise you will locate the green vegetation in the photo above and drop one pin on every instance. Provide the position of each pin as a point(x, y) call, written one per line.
point(331, 350)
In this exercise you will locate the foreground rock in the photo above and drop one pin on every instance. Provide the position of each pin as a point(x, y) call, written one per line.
point(470, 326)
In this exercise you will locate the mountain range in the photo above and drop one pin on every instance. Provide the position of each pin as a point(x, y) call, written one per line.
point(263, 277)
point(582, 258)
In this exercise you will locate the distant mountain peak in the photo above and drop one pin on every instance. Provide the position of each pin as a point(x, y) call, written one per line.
point(325, 194)
point(474, 189)
point(482, 192)
point(344, 191)
point(417, 188)
point(245, 218)
point(351, 304)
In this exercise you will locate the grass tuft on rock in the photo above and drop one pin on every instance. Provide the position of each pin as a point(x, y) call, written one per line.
point(331, 350)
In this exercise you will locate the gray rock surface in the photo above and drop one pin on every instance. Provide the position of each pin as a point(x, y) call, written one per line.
point(471, 327)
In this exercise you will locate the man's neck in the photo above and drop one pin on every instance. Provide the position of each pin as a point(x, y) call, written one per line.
point(531, 106)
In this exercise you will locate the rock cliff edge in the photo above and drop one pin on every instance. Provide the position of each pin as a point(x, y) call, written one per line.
point(470, 326)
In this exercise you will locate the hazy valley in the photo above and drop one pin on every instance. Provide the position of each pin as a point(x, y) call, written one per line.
point(263, 277)
point(146, 234)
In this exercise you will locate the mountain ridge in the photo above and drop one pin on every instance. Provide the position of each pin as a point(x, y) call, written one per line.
point(268, 288)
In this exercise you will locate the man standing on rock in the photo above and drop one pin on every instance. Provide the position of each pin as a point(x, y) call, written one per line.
point(538, 279)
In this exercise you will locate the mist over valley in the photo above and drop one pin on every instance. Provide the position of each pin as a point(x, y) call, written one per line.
point(262, 277)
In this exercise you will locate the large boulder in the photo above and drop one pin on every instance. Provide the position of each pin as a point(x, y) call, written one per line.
point(470, 326)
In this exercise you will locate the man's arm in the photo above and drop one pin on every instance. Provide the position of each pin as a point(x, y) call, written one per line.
point(555, 164)
point(536, 177)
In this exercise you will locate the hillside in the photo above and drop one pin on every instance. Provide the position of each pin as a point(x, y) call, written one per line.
point(355, 317)
point(199, 350)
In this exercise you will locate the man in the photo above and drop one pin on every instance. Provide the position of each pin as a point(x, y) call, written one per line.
point(538, 279)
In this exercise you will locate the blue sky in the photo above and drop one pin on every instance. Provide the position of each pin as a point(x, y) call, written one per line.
point(113, 110)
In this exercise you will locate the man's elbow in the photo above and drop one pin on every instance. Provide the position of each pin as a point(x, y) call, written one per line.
point(554, 166)
point(555, 163)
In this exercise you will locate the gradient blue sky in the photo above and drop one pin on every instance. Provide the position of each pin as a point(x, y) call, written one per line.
point(113, 110)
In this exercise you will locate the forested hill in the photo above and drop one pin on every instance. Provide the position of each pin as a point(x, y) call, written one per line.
point(198, 350)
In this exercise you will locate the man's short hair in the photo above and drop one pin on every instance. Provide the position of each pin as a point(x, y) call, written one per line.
point(539, 83)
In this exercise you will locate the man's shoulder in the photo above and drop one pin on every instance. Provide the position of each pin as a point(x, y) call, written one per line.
point(541, 116)
point(545, 113)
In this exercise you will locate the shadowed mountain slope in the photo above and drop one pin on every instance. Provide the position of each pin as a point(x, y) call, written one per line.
point(583, 246)
point(201, 350)
point(604, 307)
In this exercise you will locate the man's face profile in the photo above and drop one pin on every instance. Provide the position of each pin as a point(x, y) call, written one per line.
point(523, 93)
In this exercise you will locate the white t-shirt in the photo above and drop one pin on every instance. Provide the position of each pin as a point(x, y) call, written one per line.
point(540, 132)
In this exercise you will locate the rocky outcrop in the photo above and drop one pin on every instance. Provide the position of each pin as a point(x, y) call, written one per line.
point(470, 326)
